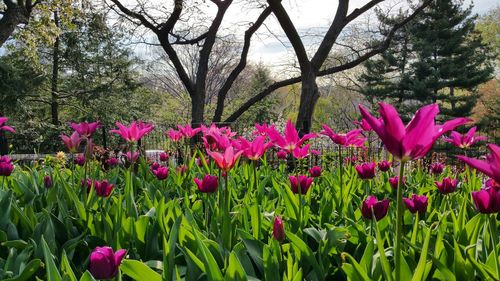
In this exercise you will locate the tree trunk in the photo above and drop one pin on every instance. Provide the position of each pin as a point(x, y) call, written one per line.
point(308, 98)
point(13, 16)
point(197, 109)
point(54, 105)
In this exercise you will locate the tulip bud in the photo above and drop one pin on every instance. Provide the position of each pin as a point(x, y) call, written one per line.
point(447, 185)
point(6, 166)
point(47, 181)
point(437, 168)
point(384, 165)
point(103, 188)
point(278, 229)
point(161, 173)
point(209, 184)
point(281, 154)
point(487, 200)
point(303, 181)
point(79, 160)
point(104, 263)
point(417, 203)
point(379, 208)
point(366, 170)
point(163, 157)
point(113, 161)
point(315, 171)
point(394, 182)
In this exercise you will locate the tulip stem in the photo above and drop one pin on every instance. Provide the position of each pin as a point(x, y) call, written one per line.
point(399, 222)
point(494, 236)
point(341, 180)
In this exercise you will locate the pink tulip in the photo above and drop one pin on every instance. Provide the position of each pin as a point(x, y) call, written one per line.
point(113, 161)
point(490, 166)
point(417, 203)
point(447, 185)
point(281, 154)
point(182, 169)
point(174, 135)
point(134, 132)
point(103, 188)
point(315, 171)
point(384, 165)
point(350, 160)
point(255, 149)
point(209, 184)
point(487, 200)
point(47, 181)
point(132, 157)
point(163, 157)
point(466, 140)
point(366, 170)
point(104, 263)
point(154, 166)
point(352, 138)
point(394, 182)
point(217, 140)
point(160, 173)
point(290, 139)
point(437, 168)
point(79, 160)
point(4, 127)
point(227, 160)
point(304, 182)
point(261, 130)
point(414, 140)
point(85, 129)
point(278, 229)
point(301, 152)
point(72, 142)
point(6, 166)
point(363, 125)
point(379, 208)
point(187, 131)
point(315, 152)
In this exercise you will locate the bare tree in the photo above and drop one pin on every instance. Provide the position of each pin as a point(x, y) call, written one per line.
point(13, 14)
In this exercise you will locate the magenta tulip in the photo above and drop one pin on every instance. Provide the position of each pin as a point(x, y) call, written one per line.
point(154, 166)
point(281, 154)
point(47, 181)
point(255, 149)
point(437, 168)
point(301, 152)
point(79, 160)
point(315, 171)
point(134, 132)
point(466, 140)
point(490, 166)
point(394, 182)
point(366, 170)
point(132, 156)
point(103, 188)
point(227, 160)
point(85, 129)
point(113, 161)
point(290, 139)
point(160, 173)
point(163, 157)
point(174, 135)
point(182, 169)
point(304, 182)
point(353, 138)
point(104, 263)
point(414, 140)
point(278, 229)
point(417, 203)
point(350, 160)
point(384, 165)
point(379, 208)
point(363, 125)
point(209, 184)
point(447, 185)
point(6, 166)
point(487, 200)
point(187, 131)
point(261, 130)
point(72, 142)
point(4, 127)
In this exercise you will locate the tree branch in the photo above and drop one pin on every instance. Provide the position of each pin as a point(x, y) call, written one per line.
point(135, 15)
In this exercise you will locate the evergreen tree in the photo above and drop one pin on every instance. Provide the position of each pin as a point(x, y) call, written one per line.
point(438, 58)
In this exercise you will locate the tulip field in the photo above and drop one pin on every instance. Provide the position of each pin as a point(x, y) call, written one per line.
point(217, 205)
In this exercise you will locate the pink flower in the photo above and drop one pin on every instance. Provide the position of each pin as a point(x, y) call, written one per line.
point(104, 263)
point(384, 165)
point(113, 161)
point(350, 160)
point(363, 125)
point(290, 140)
point(366, 170)
point(352, 138)
point(132, 157)
point(304, 182)
point(154, 166)
point(85, 129)
point(4, 127)
point(103, 188)
point(198, 162)
point(315, 152)
point(487, 200)
point(73, 142)
point(227, 160)
point(79, 160)
point(417, 203)
point(490, 166)
point(209, 184)
point(6, 166)
point(278, 229)
point(217, 140)
point(47, 181)
point(447, 185)
point(301, 152)
point(255, 149)
point(394, 182)
point(379, 208)
point(261, 130)
point(281, 154)
point(187, 131)
point(315, 171)
point(466, 140)
point(163, 157)
point(161, 173)
point(182, 169)
point(437, 168)
point(174, 135)
point(134, 132)
point(414, 140)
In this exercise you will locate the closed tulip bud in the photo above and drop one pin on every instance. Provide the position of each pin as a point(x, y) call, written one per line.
point(281, 154)
point(6, 166)
point(394, 182)
point(278, 229)
point(113, 161)
point(47, 181)
point(487, 200)
point(104, 263)
point(103, 188)
point(366, 170)
point(384, 165)
point(209, 184)
point(161, 173)
point(154, 166)
point(79, 160)
point(315, 171)
point(447, 185)
point(417, 203)
point(182, 169)
point(437, 168)
point(163, 157)
point(304, 182)
point(379, 208)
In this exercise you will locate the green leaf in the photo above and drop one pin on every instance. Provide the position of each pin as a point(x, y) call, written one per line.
point(420, 269)
point(308, 253)
point(235, 271)
point(353, 270)
point(52, 272)
point(28, 271)
point(211, 266)
point(87, 277)
point(66, 270)
point(139, 271)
